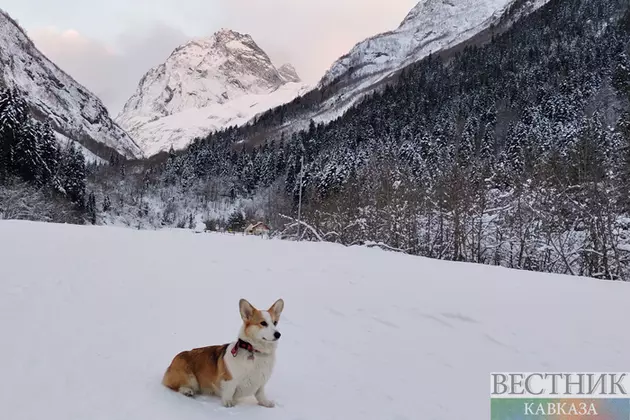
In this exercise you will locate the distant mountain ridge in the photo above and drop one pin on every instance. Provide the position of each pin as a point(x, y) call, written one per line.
point(75, 113)
point(430, 27)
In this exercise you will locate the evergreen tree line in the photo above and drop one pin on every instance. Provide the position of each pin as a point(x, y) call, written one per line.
point(514, 153)
point(32, 161)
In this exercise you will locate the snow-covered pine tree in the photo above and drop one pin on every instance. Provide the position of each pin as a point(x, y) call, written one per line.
point(13, 115)
point(107, 203)
point(90, 208)
point(27, 160)
point(51, 155)
point(72, 174)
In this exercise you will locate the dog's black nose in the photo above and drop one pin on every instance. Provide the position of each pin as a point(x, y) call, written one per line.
point(277, 335)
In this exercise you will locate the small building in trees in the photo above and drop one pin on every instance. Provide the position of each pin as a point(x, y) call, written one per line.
point(259, 228)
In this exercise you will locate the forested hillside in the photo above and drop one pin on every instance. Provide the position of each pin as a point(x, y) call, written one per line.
point(39, 180)
point(515, 153)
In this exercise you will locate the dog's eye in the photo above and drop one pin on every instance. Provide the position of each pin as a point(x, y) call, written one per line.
point(264, 323)
point(275, 322)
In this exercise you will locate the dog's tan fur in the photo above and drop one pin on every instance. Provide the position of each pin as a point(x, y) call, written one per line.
point(201, 370)
point(253, 321)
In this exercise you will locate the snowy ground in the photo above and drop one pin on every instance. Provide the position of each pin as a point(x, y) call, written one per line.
point(91, 316)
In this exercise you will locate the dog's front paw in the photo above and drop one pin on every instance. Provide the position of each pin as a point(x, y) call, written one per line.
point(228, 403)
point(187, 391)
point(267, 403)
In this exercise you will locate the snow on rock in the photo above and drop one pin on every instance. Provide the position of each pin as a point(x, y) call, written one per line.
point(370, 334)
point(180, 128)
point(205, 85)
point(288, 73)
point(87, 154)
point(73, 111)
point(431, 26)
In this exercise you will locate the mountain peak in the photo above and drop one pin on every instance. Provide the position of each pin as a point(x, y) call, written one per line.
point(288, 73)
point(219, 72)
point(426, 7)
point(222, 42)
point(226, 33)
point(229, 38)
point(204, 71)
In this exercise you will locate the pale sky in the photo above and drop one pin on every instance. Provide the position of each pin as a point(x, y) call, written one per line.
point(108, 45)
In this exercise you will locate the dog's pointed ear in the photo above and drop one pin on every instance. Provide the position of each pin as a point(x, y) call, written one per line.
point(246, 308)
point(276, 309)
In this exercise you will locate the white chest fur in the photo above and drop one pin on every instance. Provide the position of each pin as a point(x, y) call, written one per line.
point(249, 375)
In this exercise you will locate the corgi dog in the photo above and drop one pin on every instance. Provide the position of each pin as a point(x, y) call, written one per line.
point(233, 370)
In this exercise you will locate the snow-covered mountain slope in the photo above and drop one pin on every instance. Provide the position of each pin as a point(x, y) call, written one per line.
point(431, 26)
point(180, 128)
point(370, 334)
point(204, 85)
point(73, 111)
point(90, 157)
point(288, 73)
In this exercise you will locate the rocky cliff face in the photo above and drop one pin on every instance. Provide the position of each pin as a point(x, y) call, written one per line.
point(75, 113)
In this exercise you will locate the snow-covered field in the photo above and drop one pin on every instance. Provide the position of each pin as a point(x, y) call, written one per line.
point(91, 316)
